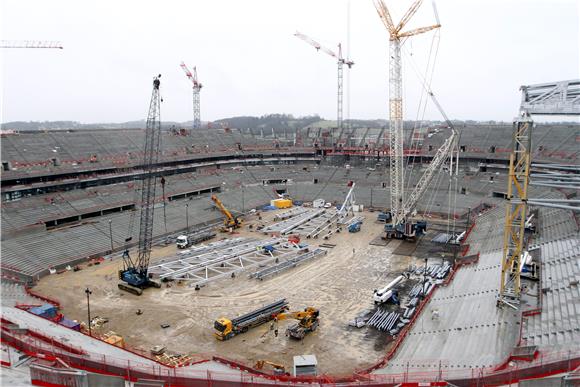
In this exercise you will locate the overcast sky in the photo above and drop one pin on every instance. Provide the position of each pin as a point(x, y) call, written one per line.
point(250, 63)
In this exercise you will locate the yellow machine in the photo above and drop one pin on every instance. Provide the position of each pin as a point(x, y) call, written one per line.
point(308, 322)
point(226, 328)
point(230, 222)
point(279, 369)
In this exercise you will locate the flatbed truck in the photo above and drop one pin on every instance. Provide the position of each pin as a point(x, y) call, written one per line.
point(225, 328)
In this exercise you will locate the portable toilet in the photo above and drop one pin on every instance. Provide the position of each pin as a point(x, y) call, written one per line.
point(305, 365)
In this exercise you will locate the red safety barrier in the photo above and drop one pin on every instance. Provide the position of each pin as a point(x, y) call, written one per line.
point(32, 293)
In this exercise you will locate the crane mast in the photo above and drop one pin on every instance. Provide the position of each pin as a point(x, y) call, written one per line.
point(135, 273)
point(196, 94)
point(397, 172)
point(340, 69)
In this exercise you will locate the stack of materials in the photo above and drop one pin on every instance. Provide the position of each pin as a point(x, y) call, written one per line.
point(384, 320)
point(290, 263)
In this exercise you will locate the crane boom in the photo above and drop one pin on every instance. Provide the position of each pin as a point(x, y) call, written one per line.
point(30, 44)
point(316, 45)
point(443, 153)
point(222, 208)
point(135, 273)
point(230, 220)
point(150, 160)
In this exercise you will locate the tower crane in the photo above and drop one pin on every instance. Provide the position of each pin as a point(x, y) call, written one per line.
point(135, 272)
point(30, 44)
point(341, 62)
point(556, 98)
point(196, 89)
point(402, 205)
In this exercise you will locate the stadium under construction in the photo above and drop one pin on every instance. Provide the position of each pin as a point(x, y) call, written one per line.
point(407, 254)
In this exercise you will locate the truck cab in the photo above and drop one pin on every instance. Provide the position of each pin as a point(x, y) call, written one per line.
point(182, 242)
point(223, 328)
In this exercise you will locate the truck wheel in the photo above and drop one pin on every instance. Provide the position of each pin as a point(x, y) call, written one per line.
point(244, 329)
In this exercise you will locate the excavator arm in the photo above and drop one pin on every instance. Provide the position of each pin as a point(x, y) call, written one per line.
point(222, 208)
point(230, 220)
point(307, 322)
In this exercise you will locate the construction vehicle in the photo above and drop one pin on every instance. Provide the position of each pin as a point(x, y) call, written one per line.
point(406, 230)
point(278, 369)
point(308, 322)
point(384, 217)
point(230, 222)
point(184, 241)
point(134, 274)
point(355, 227)
point(225, 328)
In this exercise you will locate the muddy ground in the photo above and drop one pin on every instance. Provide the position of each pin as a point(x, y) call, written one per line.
point(340, 284)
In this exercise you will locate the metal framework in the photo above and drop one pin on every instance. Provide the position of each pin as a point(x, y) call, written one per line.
point(30, 44)
point(289, 225)
point(516, 210)
point(341, 62)
point(347, 205)
point(557, 98)
point(288, 264)
point(196, 94)
point(226, 261)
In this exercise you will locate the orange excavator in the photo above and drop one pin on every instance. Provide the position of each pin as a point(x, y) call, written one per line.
point(278, 369)
point(230, 222)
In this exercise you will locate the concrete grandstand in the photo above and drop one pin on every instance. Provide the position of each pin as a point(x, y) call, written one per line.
point(68, 196)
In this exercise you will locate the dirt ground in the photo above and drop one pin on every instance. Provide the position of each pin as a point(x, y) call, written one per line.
point(340, 284)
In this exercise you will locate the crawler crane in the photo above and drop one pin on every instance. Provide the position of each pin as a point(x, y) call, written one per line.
point(135, 272)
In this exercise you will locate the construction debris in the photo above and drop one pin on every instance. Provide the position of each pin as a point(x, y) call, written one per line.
point(174, 360)
point(158, 350)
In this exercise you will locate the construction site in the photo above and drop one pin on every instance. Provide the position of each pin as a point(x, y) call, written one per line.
point(408, 254)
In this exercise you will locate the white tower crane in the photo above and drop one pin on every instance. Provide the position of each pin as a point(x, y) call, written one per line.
point(341, 62)
point(196, 89)
point(402, 205)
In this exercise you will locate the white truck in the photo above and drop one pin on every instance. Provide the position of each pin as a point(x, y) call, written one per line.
point(184, 241)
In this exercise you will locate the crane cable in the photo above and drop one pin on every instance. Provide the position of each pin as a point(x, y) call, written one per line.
point(426, 83)
point(244, 164)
